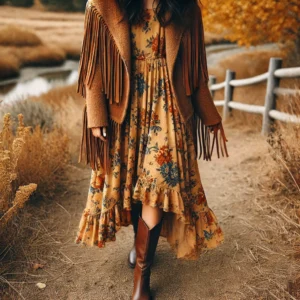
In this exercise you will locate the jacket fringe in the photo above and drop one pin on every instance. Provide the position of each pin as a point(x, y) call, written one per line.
point(98, 46)
point(204, 143)
point(99, 50)
point(93, 150)
point(193, 56)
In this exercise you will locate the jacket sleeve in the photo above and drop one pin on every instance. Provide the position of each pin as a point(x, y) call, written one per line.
point(93, 150)
point(89, 71)
point(204, 105)
point(202, 99)
point(195, 76)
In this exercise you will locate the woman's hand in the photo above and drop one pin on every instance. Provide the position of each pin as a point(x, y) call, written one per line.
point(100, 132)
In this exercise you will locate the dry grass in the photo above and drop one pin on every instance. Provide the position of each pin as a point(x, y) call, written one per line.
point(29, 156)
point(9, 64)
point(35, 113)
point(281, 207)
point(60, 106)
point(40, 56)
point(66, 105)
point(12, 35)
point(31, 160)
point(247, 64)
point(279, 183)
point(12, 58)
point(285, 143)
point(10, 151)
point(30, 40)
point(43, 161)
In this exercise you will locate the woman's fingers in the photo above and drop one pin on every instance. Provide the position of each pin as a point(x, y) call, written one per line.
point(100, 132)
point(96, 131)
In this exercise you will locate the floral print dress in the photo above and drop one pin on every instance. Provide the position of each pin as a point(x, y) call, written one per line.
point(153, 160)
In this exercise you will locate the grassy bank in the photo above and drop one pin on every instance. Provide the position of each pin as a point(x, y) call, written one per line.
point(31, 37)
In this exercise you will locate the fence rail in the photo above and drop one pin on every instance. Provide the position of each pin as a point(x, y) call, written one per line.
point(268, 110)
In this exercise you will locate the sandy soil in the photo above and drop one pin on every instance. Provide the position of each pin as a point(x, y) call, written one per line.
point(232, 271)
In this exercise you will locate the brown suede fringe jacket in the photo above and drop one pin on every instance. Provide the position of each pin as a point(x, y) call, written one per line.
point(105, 76)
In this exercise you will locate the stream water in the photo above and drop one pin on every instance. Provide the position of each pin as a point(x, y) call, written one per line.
point(34, 81)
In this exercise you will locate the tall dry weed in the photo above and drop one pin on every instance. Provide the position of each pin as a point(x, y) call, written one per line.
point(12, 195)
point(284, 190)
point(285, 143)
point(30, 159)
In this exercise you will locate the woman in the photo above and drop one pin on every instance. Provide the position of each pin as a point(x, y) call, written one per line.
point(148, 115)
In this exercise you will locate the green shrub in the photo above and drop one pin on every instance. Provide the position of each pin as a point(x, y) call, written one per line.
point(58, 4)
point(22, 3)
point(79, 5)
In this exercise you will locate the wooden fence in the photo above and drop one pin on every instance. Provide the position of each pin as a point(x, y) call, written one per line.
point(268, 111)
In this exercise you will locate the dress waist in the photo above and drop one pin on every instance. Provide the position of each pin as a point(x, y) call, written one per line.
point(143, 57)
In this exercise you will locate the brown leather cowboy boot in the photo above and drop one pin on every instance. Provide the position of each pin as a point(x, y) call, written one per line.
point(145, 243)
point(135, 213)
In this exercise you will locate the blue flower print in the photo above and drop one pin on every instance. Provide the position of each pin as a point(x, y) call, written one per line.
point(170, 173)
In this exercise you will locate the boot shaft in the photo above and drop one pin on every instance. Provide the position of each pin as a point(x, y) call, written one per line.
point(146, 242)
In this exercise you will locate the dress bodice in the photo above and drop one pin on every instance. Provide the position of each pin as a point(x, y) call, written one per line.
point(148, 37)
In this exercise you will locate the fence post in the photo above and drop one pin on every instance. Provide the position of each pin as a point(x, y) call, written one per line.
point(270, 99)
point(228, 93)
point(212, 80)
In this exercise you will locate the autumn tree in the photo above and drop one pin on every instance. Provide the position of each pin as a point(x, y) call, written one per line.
point(252, 22)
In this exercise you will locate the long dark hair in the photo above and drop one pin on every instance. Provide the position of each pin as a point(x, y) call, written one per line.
point(178, 10)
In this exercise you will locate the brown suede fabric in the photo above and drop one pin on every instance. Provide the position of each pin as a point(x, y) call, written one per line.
point(104, 80)
point(100, 109)
point(96, 102)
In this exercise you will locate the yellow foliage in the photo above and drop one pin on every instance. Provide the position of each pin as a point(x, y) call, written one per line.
point(251, 22)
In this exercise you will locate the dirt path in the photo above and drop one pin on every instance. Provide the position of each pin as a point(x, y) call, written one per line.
point(74, 272)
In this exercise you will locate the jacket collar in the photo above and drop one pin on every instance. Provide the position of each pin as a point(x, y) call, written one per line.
point(120, 31)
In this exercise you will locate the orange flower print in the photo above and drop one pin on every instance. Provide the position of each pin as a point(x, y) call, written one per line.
point(147, 16)
point(209, 219)
point(200, 242)
point(101, 244)
point(201, 199)
point(155, 44)
point(99, 182)
point(143, 117)
point(154, 119)
point(163, 156)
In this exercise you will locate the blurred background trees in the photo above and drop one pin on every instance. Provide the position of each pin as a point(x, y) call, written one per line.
point(252, 22)
point(55, 5)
